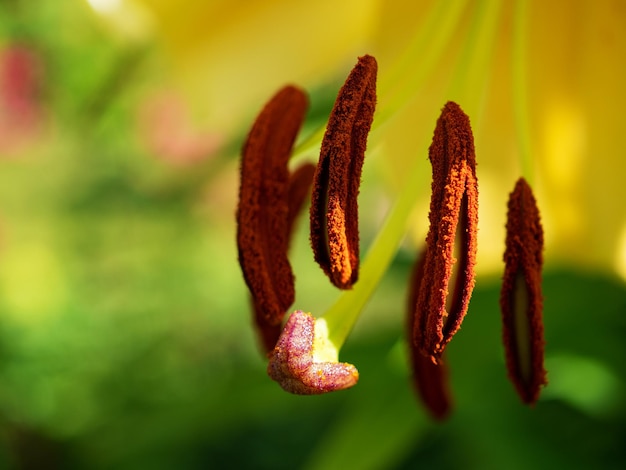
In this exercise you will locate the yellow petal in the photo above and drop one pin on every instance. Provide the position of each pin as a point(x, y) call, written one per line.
point(231, 55)
point(574, 76)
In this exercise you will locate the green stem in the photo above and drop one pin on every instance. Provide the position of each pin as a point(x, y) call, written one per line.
point(341, 316)
point(520, 89)
point(421, 57)
point(472, 77)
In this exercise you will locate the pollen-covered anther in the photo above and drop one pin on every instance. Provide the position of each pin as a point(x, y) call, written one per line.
point(432, 385)
point(334, 206)
point(521, 300)
point(304, 362)
point(439, 311)
point(263, 214)
point(300, 181)
point(430, 379)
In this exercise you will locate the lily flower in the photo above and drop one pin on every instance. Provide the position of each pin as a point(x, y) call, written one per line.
point(297, 360)
point(540, 107)
point(544, 109)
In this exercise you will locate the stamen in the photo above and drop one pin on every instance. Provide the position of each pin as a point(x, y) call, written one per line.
point(299, 189)
point(430, 379)
point(521, 301)
point(304, 362)
point(263, 213)
point(454, 201)
point(334, 206)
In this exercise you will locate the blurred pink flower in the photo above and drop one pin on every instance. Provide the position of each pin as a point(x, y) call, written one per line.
point(167, 130)
point(21, 111)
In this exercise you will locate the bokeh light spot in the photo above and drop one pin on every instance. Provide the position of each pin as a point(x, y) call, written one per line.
point(105, 6)
point(584, 383)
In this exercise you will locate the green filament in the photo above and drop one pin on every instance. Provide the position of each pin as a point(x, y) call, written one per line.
point(469, 85)
point(421, 57)
point(342, 316)
point(520, 89)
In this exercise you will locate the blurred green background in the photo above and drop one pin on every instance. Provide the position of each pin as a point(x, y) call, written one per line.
point(125, 332)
